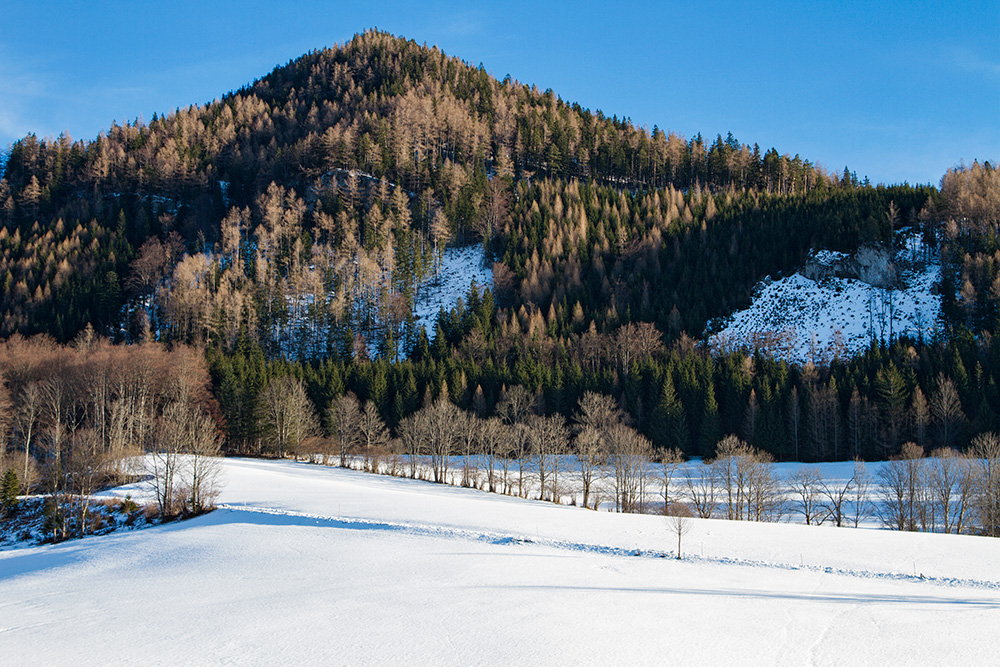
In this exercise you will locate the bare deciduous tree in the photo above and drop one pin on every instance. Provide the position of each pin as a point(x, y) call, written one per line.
point(202, 474)
point(438, 425)
point(862, 481)
point(342, 419)
point(411, 439)
point(680, 525)
point(670, 462)
point(6, 416)
point(946, 411)
point(986, 450)
point(731, 465)
point(373, 436)
point(287, 415)
point(491, 441)
point(506, 451)
point(702, 491)
point(520, 439)
point(746, 476)
point(807, 484)
point(837, 494)
point(515, 404)
point(590, 455)
point(163, 460)
point(900, 489)
point(950, 484)
point(469, 437)
point(598, 412)
point(629, 454)
point(596, 415)
point(85, 472)
point(57, 403)
point(26, 419)
point(765, 501)
point(920, 416)
point(547, 437)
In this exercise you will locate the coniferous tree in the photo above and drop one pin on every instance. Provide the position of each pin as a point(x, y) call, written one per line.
point(8, 493)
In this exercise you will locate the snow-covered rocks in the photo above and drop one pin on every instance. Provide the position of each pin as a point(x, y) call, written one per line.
point(817, 318)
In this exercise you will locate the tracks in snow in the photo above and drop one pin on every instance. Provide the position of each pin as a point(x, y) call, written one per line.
point(501, 538)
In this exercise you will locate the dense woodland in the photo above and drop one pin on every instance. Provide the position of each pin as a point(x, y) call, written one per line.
point(317, 152)
point(284, 231)
point(75, 418)
point(82, 414)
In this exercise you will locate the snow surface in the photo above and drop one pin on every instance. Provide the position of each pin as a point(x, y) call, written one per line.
point(801, 320)
point(311, 565)
point(459, 268)
point(829, 257)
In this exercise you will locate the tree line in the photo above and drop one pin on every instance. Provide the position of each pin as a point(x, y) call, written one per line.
point(77, 417)
point(598, 460)
point(935, 393)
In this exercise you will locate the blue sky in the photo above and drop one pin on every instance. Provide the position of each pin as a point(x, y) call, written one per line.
point(897, 91)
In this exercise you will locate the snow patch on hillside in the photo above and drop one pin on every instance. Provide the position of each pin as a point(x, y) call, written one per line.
point(459, 268)
point(799, 319)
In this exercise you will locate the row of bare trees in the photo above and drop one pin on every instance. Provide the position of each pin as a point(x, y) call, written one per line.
point(75, 418)
point(598, 460)
point(739, 484)
point(516, 451)
point(948, 491)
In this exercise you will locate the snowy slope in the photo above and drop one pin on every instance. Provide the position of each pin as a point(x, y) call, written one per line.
point(800, 319)
point(313, 565)
point(459, 268)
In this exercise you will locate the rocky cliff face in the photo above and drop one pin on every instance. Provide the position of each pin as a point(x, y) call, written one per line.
point(870, 264)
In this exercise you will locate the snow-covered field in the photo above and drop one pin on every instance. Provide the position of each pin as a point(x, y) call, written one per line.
point(800, 319)
point(311, 565)
point(459, 267)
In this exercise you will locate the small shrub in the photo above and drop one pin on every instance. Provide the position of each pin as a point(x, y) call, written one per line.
point(55, 519)
point(678, 509)
point(127, 505)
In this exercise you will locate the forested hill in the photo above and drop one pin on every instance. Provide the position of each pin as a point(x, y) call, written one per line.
point(288, 227)
point(75, 214)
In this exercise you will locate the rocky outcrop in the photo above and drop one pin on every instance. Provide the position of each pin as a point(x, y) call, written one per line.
point(870, 264)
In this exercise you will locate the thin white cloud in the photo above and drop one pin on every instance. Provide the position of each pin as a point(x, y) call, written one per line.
point(970, 61)
point(467, 24)
point(16, 94)
point(22, 89)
